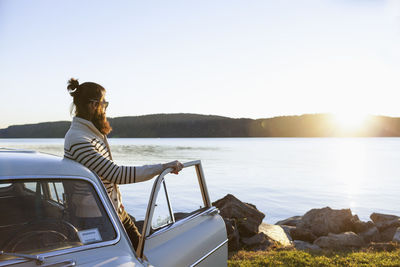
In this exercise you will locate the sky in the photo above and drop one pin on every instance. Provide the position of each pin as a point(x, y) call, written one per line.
point(240, 59)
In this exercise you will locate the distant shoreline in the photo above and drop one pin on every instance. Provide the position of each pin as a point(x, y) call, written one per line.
point(210, 126)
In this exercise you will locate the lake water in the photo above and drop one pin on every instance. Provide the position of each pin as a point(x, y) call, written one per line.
point(283, 177)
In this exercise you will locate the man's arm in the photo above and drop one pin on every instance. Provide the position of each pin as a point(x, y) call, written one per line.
point(95, 156)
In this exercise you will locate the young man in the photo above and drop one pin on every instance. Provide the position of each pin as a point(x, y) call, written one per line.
point(86, 143)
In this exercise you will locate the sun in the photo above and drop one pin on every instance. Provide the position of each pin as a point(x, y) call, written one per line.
point(350, 121)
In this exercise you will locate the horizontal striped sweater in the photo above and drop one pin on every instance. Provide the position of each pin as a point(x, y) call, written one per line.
point(85, 144)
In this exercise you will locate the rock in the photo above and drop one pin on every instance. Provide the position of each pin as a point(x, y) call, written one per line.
point(371, 235)
point(340, 241)
point(302, 234)
point(384, 221)
point(247, 217)
point(388, 234)
point(233, 234)
point(302, 245)
point(380, 217)
point(387, 246)
point(396, 237)
point(288, 230)
point(326, 220)
point(360, 226)
point(254, 240)
point(258, 242)
point(292, 221)
point(275, 233)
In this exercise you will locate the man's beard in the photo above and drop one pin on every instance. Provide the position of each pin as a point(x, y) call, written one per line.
point(100, 121)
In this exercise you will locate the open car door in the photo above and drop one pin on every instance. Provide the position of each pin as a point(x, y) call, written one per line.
point(192, 238)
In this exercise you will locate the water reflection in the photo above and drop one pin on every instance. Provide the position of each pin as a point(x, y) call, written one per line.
point(350, 166)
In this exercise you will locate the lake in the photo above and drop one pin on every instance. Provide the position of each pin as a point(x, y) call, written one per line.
point(283, 177)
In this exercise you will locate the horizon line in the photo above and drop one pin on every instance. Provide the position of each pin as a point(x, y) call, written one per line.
point(152, 114)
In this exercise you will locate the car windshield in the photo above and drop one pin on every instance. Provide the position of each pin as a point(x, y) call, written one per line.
point(42, 215)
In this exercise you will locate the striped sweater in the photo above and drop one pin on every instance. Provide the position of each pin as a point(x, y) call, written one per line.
point(86, 145)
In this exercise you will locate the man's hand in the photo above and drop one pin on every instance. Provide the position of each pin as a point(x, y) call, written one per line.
point(175, 165)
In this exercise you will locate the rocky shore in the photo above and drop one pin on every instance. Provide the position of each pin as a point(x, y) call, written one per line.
point(317, 229)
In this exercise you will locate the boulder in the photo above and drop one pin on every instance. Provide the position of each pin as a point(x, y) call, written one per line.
point(384, 221)
point(233, 234)
point(371, 235)
point(380, 217)
point(359, 226)
point(303, 234)
point(388, 234)
point(257, 242)
point(276, 233)
point(254, 240)
point(288, 230)
point(247, 217)
point(302, 245)
point(326, 220)
point(292, 221)
point(396, 237)
point(340, 241)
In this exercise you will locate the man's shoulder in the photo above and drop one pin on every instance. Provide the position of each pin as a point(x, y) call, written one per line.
point(77, 136)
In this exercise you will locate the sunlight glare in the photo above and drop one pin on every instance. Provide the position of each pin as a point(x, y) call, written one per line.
point(350, 162)
point(350, 121)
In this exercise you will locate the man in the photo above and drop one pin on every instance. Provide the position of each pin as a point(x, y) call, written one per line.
point(86, 143)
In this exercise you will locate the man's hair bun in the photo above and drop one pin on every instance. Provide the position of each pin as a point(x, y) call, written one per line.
point(73, 85)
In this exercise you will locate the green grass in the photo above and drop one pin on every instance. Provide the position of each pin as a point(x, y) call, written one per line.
point(301, 258)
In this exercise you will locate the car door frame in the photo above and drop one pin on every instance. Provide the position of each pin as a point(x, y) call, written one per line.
point(207, 210)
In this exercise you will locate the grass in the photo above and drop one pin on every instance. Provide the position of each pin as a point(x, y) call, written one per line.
point(302, 258)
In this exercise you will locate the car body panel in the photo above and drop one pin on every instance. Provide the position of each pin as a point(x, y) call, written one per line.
point(189, 242)
point(198, 240)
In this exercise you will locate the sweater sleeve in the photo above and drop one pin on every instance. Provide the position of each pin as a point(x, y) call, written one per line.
point(97, 159)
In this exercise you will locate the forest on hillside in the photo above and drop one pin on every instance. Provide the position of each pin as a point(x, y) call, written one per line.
point(196, 125)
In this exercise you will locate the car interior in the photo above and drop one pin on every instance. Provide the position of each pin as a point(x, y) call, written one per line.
point(41, 215)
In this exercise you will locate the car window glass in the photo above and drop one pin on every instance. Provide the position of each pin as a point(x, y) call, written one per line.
point(52, 192)
point(184, 193)
point(35, 225)
point(56, 191)
point(31, 186)
point(161, 215)
point(4, 185)
point(60, 190)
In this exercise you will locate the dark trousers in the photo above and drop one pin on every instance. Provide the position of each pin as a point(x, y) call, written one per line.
point(130, 228)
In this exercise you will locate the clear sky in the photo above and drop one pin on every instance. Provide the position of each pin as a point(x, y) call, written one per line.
point(249, 58)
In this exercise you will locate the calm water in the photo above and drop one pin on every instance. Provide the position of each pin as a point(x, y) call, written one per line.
point(283, 177)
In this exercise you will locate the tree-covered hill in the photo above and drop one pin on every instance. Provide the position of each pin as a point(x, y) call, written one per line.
point(195, 125)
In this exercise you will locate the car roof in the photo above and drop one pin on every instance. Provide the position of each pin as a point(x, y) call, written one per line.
point(16, 162)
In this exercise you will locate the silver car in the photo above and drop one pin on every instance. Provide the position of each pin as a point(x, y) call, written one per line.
point(48, 219)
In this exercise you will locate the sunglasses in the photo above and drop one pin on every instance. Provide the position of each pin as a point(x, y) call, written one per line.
point(103, 103)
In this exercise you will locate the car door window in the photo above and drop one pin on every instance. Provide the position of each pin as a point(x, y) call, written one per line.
point(182, 193)
point(4, 185)
point(30, 186)
point(185, 193)
point(47, 215)
point(162, 215)
point(56, 191)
